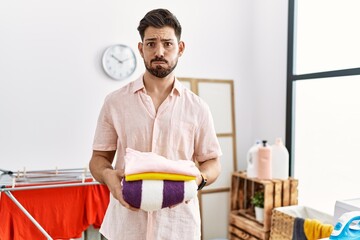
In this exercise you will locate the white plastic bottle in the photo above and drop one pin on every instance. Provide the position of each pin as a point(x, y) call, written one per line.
point(264, 161)
point(252, 158)
point(280, 160)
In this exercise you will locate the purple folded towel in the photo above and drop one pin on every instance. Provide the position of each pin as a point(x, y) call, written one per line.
point(152, 195)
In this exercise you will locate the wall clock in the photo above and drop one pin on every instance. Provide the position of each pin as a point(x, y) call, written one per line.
point(119, 61)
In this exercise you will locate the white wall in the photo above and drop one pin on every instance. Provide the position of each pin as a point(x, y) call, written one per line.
point(52, 84)
point(268, 69)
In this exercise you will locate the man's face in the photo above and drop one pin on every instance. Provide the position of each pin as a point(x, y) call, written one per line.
point(160, 50)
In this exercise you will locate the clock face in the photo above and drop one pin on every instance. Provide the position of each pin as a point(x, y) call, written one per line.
point(119, 61)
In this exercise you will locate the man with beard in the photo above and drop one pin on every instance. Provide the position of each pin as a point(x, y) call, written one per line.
point(155, 113)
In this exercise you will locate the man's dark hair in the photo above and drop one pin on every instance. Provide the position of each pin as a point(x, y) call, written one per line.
point(159, 18)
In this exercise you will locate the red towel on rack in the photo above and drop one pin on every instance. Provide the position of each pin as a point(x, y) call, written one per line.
point(63, 212)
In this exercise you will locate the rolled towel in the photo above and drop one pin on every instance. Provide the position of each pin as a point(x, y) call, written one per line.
point(152, 195)
point(145, 162)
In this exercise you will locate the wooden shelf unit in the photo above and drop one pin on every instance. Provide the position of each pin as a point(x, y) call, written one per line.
point(277, 193)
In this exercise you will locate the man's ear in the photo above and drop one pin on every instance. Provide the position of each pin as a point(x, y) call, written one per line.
point(181, 48)
point(140, 48)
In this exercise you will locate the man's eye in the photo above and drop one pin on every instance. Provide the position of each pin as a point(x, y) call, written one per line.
point(168, 44)
point(150, 44)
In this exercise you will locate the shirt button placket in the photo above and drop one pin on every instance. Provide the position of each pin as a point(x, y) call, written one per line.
point(155, 134)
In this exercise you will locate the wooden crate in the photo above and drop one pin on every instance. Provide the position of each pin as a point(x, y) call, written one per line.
point(242, 227)
point(277, 193)
point(289, 192)
point(243, 189)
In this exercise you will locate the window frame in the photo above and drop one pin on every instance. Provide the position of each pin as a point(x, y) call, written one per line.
point(291, 78)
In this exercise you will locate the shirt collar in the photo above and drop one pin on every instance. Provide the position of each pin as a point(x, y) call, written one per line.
point(138, 85)
point(178, 87)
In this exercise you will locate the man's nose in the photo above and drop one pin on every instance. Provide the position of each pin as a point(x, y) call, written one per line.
point(159, 51)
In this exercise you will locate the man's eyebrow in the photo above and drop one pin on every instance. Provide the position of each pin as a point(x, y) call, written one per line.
point(162, 40)
point(150, 39)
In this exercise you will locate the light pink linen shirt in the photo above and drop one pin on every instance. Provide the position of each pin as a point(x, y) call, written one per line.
point(182, 128)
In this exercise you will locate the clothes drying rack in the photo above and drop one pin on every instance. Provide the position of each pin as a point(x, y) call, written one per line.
point(41, 179)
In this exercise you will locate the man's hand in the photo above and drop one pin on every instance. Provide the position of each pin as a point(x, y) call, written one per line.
point(103, 172)
point(113, 178)
point(198, 179)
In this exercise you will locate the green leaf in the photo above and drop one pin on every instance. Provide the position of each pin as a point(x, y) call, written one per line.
point(258, 199)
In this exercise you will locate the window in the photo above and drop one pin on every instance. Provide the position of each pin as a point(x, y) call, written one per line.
point(327, 35)
point(323, 112)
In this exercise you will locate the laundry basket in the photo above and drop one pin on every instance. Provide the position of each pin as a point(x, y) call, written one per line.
point(287, 223)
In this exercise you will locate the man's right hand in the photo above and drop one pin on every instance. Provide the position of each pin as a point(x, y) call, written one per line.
point(112, 179)
point(102, 170)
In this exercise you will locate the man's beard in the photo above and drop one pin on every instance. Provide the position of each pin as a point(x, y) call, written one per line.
point(159, 71)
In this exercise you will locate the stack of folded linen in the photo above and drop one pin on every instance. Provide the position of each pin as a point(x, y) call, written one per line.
point(153, 182)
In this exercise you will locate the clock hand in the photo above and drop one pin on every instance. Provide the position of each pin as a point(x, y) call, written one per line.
point(126, 59)
point(112, 55)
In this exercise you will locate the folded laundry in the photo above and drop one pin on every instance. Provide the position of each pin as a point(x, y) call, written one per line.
point(298, 229)
point(314, 229)
point(310, 229)
point(152, 195)
point(145, 162)
point(159, 176)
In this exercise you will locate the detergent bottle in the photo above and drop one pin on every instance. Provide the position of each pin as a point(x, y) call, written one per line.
point(280, 160)
point(252, 159)
point(264, 161)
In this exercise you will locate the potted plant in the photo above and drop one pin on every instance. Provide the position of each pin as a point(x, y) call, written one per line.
point(257, 200)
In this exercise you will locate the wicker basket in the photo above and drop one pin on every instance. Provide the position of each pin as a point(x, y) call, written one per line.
point(283, 220)
point(282, 226)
